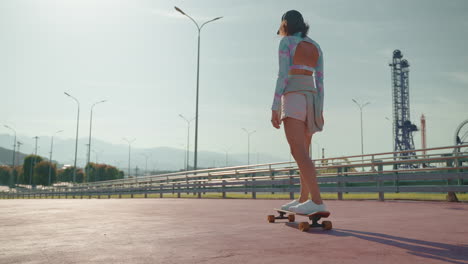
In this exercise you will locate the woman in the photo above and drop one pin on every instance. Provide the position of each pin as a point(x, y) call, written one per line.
point(298, 102)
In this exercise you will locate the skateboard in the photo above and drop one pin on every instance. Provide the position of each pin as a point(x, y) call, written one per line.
point(303, 226)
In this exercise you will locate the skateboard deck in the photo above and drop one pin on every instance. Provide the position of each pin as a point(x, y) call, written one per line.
point(303, 226)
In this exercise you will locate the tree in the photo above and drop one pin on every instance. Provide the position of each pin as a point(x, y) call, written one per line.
point(65, 175)
point(80, 176)
point(17, 173)
point(5, 173)
point(91, 172)
point(112, 173)
point(30, 162)
point(22, 179)
point(41, 173)
point(102, 172)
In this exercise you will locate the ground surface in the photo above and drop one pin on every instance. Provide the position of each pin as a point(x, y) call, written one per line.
point(228, 231)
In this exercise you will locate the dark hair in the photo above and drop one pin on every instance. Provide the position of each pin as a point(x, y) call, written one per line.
point(292, 22)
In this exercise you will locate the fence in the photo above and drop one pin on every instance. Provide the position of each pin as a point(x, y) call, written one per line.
point(439, 170)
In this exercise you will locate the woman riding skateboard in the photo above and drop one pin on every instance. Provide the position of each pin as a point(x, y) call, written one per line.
point(298, 102)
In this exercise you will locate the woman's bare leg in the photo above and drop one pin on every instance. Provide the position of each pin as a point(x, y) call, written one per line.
point(296, 135)
point(304, 190)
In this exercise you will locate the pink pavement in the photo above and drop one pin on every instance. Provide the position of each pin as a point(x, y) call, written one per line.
point(228, 231)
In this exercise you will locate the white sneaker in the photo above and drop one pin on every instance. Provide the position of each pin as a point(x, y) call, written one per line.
point(308, 207)
point(288, 205)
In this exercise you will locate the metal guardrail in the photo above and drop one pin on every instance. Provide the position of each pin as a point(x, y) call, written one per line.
point(442, 169)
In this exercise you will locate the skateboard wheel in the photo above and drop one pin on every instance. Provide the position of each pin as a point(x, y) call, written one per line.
point(291, 218)
point(327, 225)
point(271, 219)
point(304, 226)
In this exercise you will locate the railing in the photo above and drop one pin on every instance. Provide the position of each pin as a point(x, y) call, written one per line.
point(440, 170)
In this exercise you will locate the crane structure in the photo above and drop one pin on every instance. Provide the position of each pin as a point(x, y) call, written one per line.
point(402, 127)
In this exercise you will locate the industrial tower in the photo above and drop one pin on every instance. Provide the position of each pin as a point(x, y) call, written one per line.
point(402, 127)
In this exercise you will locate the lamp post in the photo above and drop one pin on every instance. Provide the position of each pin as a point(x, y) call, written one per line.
point(318, 150)
point(129, 148)
point(96, 154)
point(76, 139)
point(31, 168)
point(50, 157)
point(226, 150)
point(188, 140)
point(248, 144)
point(14, 145)
point(146, 162)
point(90, 127)
point(393, 131)
point(198, 78)
point(14, 157)
point(18, 150)
point(361, 106)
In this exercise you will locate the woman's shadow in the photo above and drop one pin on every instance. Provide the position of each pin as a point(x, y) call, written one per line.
point(433, 250)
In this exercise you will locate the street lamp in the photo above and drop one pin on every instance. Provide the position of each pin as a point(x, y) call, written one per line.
point(393, 131)
point(146, 161)
point(226, 150)
point(188, 139)
point(96, 153)
point(129, 147)
point(18, 150)
point(361, 106)
point(248, 144)
point(14, 145)
point(14, 155)
point(50, 157)
point(198, 77)
point(318, 150)
point(90, 126)
point(35, 159)
point(76, 139)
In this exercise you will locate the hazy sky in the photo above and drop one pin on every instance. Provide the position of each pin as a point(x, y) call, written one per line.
point(141, 57)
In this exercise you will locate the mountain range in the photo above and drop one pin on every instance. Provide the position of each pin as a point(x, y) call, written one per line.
point(159, 158)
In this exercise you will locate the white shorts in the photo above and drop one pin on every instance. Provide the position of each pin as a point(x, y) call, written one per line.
point(294, 105)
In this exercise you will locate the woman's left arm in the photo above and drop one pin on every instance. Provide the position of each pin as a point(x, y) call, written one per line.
point(282, 81)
